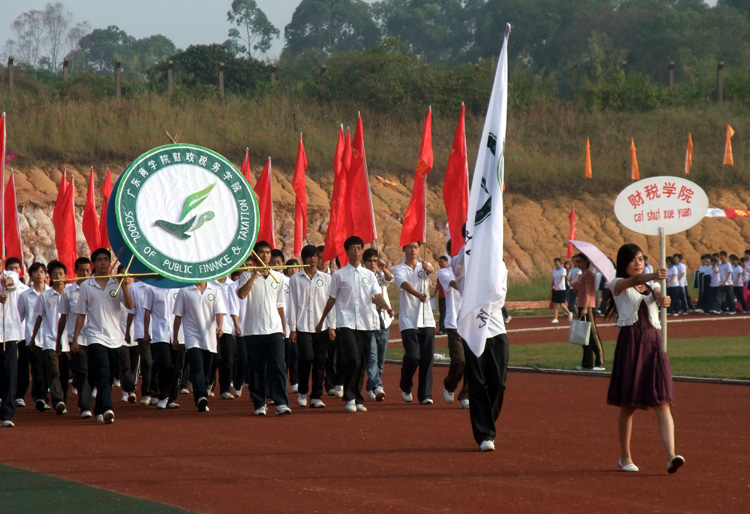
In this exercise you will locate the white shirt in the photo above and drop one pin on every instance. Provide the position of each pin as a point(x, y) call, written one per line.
point(160, 304)
point(725, 270)
point(412, 313)
point(378, 312)
point(225, 287)
point(682, 270)
point(353, 289)
point(452, 297)
point(237, 307)
point(307, 298)
point(265, 298)
point(47, 308)
point(629, 301)
point(102, 308)
point(138, 293)
point(557, 275)
point(715, 276)
point(198, 312)
point(287, 303)
point(67, 306)
point(672, 276)
point(737, 276)
point(573, 275)
point(745, 273)
point(27, 302)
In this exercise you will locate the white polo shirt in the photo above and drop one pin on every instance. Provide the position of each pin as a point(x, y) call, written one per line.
point(412, 313)
point(237, 307)
point(715, 276)
point(353, 289)
point(557, 275)
point(377, 312)
point(27, 302)
point(160, 303)
point(265, 298)
point(308, 297)
point(225, 287)
point(452, 297)
point(725, 270)
point(47, 308)
point(67, 306)
point(102, 307)
point(198, 312)
point(672, 280)
point(737, 276)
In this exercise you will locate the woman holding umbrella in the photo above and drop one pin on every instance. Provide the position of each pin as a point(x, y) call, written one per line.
point(586, 297)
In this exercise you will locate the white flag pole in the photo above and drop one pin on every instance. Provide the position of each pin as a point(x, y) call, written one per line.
point(663, 264)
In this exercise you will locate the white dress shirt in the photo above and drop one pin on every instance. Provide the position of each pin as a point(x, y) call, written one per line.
point(237, 307)
point(353, 289)
point(225, 287)
point(452, 297)
point(378, 312)
point(307, 298)
point(102, 307)
point(413, 314)
point(265, 298)
point(27, 302)
point(138, 293)
point(198, 312)
point(160, 303)
point(67, 306)
point(47, 308)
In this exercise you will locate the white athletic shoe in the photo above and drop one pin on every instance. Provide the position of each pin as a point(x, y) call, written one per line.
point(173, 405)
point(448, 397)
point(131, 397)
point(86, 414)
point(154, 400)
point(338, 391)
point(554, 321)
point(7, 424)
point(316, 403)
point(302, 400)
point(487, 446)
point(570, 316)
point(99, 418)
point(426, 401)
point(184, 390)
point(464, 403)
point(109, 417)
point(227, 396)
point(262, 410)
point(351, 406)
point(162, 404)
point(406, 397)
point(379, 394)
point(370, 395)
point(116, 382)
point(124, 397)
point(146, 400)
point(202, 404)
point(235, 392)
point(361, 408)
point(282, 410)
point(294, 388)
point(20, 402)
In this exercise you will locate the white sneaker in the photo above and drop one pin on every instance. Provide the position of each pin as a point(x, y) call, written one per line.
point(154, 400)
point(173, 405)
point(235, 392)
point(146, 400)
point(570, 316)
point(74, 391)
point(262, 410)
point(406, 397)
point(109, 417)
point(202, 404)
point(124, 397)
point(7, 424)
point(598, 368)
point(507, 320)
point(20, 402)
point(93, 392)
point(283, 409)
point(316, 403)
point(361, 408)
point(211, 394)
point(162, 404)
point(448, 397)
point(554, 321)
point(379, 394)
point(99, 418)
point(302, 400)
point(184, 390)
point(331, 392)
point(370, 395)
point(227, 396)
point(132, 397)
point(86, 414)
point(351, 406)
point(338, 391)
point(487, 446)
point(294, 388)
point(426, 401)
point(464, 403)
point(60, 408)
point(116, 382)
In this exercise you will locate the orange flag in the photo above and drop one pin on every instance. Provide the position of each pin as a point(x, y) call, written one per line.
point(456, 186)
point(106, 192)
point(728, 158)
point(689, 154)
point(300, 202)
point(572, 232)
point(588, 160)
point(414, 225)
point(90, 223)
point(246, 166)
point(265, 205)
point(635, 174)
point(13, 242)
point(337, 214)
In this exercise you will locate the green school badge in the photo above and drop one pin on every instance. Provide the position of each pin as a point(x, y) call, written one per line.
point(186, 213)
point(365, 280)
point(210, 297)
point(319, 282)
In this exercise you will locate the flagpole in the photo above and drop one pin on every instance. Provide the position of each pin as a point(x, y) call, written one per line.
point(2, 211)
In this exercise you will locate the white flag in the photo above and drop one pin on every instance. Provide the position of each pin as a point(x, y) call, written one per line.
point(485, 282)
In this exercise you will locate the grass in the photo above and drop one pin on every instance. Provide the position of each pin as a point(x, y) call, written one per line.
point(721, 357)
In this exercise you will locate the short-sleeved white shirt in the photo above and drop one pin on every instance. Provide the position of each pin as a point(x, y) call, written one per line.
point(725, 269)
point(307, 298)
point(14, 328)
point(715, 276)
point(452, 297)
point(682, 270)
point(138, 293)
point(67, 306)
point(27, 303)
point(376, 311)
point(353, 289)
point(672, 280)
point(159, 301)
point(574, 273)
point(264, 299)
point(737, 276)
point(47, 308)
point(412, 313)
point(102, 307)
point(237, 306)
point(198, 312)
point(287, 303)
point(225, 287)
point(557, 275)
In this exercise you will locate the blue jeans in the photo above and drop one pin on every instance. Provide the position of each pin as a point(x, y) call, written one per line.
point(378, 346)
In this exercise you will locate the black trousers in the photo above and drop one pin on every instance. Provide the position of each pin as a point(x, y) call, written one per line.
point(739, 292)
point(23, 381)
point(267, 369)
point(147, 364)
point(593, 353)
point(728, 293)
point(8, 379)
point(334, 366)
point(486, 375)
point(168, 364)
point(457, 369)
point(312, 358)
point(419, 348)
point(102, 360)
point(200, 367)
point(441, 311)
point(291, 357)
point(240, 364)
point(57, 372)
point(354, 347)
point(127, 362)
point(225, 361)
point(79, 368)
point(38, 380)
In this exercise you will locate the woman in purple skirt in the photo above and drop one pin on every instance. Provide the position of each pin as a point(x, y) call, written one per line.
point(641, 375)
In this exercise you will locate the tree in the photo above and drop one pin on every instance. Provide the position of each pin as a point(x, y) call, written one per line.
point(28, 29)
point(102, 47)
point(331, 26)
point(258, 31)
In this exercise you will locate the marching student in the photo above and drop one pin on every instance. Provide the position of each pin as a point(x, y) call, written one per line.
point(265, 327)
point(27, 302)
point(308, 293)
point(56, 357)
point(739, 290)
point(226, 347)
point(200, 310)
point(158, 321)
point(66, 325)
point(237, 309)
point(379, 343)
point(99, 304)
point(291, 355)
point(725, 288)
point(334, 380)
point(143, 341)
point(128, 355)
point(456, 371)
point(353, 289)
point(22, 383)
point(9, 292)
point(416, 323)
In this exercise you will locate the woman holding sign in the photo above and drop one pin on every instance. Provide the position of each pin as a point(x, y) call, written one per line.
point(641, 375)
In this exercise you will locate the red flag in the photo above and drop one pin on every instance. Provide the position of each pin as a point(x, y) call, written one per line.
point(265, 205)
point(587, 170)
point(572, 233)
point(456, 186)
point(414, 226)
point(13, 242)
point(246, 166)
point(2, 177)
point(331, 250)
point(65, 230)
point(300, 198)
point(106, 192)
point(635, 173)
point(62, 188)
point(90, 223)
point(358, 195)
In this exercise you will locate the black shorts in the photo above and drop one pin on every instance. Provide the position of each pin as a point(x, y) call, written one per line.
point(560, 296)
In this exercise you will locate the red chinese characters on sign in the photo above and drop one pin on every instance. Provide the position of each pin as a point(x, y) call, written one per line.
point(686, 194)
point(669, 189)
point(652, 192)
point(636, 199)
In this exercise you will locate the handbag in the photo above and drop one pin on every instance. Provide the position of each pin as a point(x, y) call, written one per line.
point(580, 330)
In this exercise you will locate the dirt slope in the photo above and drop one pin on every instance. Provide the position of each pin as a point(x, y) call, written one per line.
point(535, 231)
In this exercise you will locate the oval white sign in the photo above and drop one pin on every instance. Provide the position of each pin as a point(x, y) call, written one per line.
point(670, 202)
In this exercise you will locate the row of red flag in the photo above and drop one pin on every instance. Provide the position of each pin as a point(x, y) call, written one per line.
point(635, 173)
